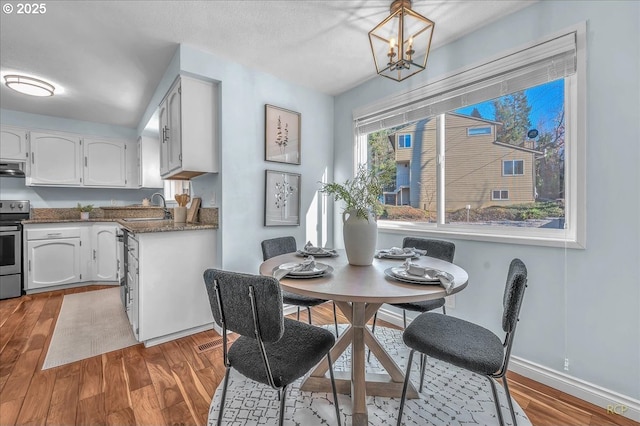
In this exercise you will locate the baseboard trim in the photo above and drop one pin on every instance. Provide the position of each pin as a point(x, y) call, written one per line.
point(611, 402)
point(607, 399)
point(173, 336)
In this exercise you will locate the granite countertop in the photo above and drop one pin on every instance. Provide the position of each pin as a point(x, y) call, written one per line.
point(207, 218)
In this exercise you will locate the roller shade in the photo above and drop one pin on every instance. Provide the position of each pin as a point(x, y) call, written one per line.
point(539, 64)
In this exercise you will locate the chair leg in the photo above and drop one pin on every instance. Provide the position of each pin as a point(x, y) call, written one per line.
point(423, 365)
point(373, 331)
point(506, 390)
point(404, 387)
point(495, 398)
point(298, 317)
point(309, 314)
point(284, 394)
point(444, 310)
point(333, 388)
point(404, 318)
point(224, 395)
point(335, 318)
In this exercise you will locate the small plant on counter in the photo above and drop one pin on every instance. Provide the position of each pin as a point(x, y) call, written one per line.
point(87, 208)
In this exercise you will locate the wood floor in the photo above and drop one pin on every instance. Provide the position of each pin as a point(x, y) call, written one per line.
point(168, 384)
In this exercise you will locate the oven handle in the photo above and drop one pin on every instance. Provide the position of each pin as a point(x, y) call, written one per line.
point(9, 228)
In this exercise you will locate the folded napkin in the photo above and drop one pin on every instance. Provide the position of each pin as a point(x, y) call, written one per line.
point(421, 271)
point(308, 264)
point(397, 251)
point(310, 248)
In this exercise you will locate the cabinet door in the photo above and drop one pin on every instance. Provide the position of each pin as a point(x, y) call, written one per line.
point(105, 163)
point(55, 160)
point(53, 262)
point(149, 163)
point(163, 120)
point(175, 128)
point(13, 144)
point(104, 251)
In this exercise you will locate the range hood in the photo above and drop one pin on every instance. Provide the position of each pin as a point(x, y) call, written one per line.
point(12, 170)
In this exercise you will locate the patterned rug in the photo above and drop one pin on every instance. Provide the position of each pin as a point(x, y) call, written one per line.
point(89, 324)
point(451, 396)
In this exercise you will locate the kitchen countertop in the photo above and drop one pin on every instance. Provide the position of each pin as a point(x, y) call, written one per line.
point(208, 218)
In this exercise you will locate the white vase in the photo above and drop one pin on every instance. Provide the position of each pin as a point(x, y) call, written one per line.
point(360, 238)
point(84, 215)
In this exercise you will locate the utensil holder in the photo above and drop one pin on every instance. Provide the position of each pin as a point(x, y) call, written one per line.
point(179, 215)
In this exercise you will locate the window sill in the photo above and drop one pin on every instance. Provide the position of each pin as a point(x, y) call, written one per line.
point(532, 237)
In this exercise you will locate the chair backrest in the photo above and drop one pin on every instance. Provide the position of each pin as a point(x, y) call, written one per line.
point(277, 246)
point(236, 303)
point(513, 294)
point(443, 250)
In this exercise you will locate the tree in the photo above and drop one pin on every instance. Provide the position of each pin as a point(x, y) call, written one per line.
point(382, 157)
point(513, 112)
point(550, 167)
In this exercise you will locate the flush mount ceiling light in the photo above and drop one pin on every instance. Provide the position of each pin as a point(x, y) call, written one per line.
point(28, 85)
point(400, 44)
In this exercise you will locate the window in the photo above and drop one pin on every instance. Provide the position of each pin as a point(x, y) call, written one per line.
point(175, 187)
point(477, 131)
point(500, 194)
point(518, 116)
point(512, 167)
point(404, 141)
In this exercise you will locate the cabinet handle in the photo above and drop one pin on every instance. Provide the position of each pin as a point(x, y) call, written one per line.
point(29, 265)
point(85, 161)
point(53, 234)
point(94, 255)
point(166, 133)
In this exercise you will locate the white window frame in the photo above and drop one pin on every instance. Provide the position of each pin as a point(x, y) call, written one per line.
point(171, 188)
point(513, 166)
point(500, 191)
point(405, 135)
point(470, 130)
point(574, 233)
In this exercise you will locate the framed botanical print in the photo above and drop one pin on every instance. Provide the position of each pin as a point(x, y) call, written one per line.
point(282, 198)
point(282, 135)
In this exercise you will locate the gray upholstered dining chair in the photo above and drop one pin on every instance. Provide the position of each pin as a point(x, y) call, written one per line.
point(271, 349)
point(468, 345)
point(443, 250)
point(281, 245)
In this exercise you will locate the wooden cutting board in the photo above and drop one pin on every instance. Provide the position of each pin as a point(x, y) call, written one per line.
point(193, 209)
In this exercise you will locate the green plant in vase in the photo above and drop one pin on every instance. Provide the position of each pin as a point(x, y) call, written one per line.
point(84, 210)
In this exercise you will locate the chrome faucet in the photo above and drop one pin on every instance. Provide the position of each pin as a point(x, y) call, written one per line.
point(167, 213)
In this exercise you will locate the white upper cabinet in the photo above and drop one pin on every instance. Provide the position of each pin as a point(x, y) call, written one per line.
point(189, 129)
point(13, 144)
point(105, 163)
point(55, 159)
point(149, 162)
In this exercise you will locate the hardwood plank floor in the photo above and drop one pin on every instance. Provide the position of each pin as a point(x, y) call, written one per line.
point(168, 384)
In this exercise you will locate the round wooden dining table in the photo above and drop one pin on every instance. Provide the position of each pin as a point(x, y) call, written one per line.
point(359, 291)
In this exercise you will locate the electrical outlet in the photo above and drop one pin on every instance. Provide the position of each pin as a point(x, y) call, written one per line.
point(450, 302)
point(566, 364)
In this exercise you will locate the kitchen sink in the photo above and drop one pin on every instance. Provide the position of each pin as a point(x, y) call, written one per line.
point(144, 219)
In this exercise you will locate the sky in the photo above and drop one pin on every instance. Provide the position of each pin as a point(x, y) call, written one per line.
point(545, 100)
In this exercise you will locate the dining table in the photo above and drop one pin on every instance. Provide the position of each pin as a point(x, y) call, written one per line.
point(359, 291)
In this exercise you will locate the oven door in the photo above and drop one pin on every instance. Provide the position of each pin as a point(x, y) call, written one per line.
point(11, 244)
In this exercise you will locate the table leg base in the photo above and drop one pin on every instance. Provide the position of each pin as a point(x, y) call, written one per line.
point(375, 384)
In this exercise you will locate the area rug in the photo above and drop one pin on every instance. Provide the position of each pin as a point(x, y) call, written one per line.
point(89, 324)
point(452, 396)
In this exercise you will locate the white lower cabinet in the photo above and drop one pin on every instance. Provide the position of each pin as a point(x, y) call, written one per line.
point(104, 252)
point(53, 257)
point(61, 254)
point(169, 298)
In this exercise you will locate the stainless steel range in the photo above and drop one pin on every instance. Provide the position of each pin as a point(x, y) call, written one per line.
point(12, 212)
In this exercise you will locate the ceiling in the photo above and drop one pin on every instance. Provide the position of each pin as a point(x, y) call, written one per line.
point(107, 57)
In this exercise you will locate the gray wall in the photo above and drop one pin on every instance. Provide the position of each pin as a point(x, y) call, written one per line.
point(581, 304)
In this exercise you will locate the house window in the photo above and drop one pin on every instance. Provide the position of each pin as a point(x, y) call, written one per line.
point(404, 141)
point(175, 187)
point(512, 167)
point(534, 114)
point(500, 194)
point(478, 131)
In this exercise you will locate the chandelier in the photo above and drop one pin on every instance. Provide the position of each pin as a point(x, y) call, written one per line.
point(400, 44)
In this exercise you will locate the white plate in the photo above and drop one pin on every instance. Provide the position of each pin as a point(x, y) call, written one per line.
point(430, 277)
point(319, 269)
point(328, 253)
point(399, 256)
